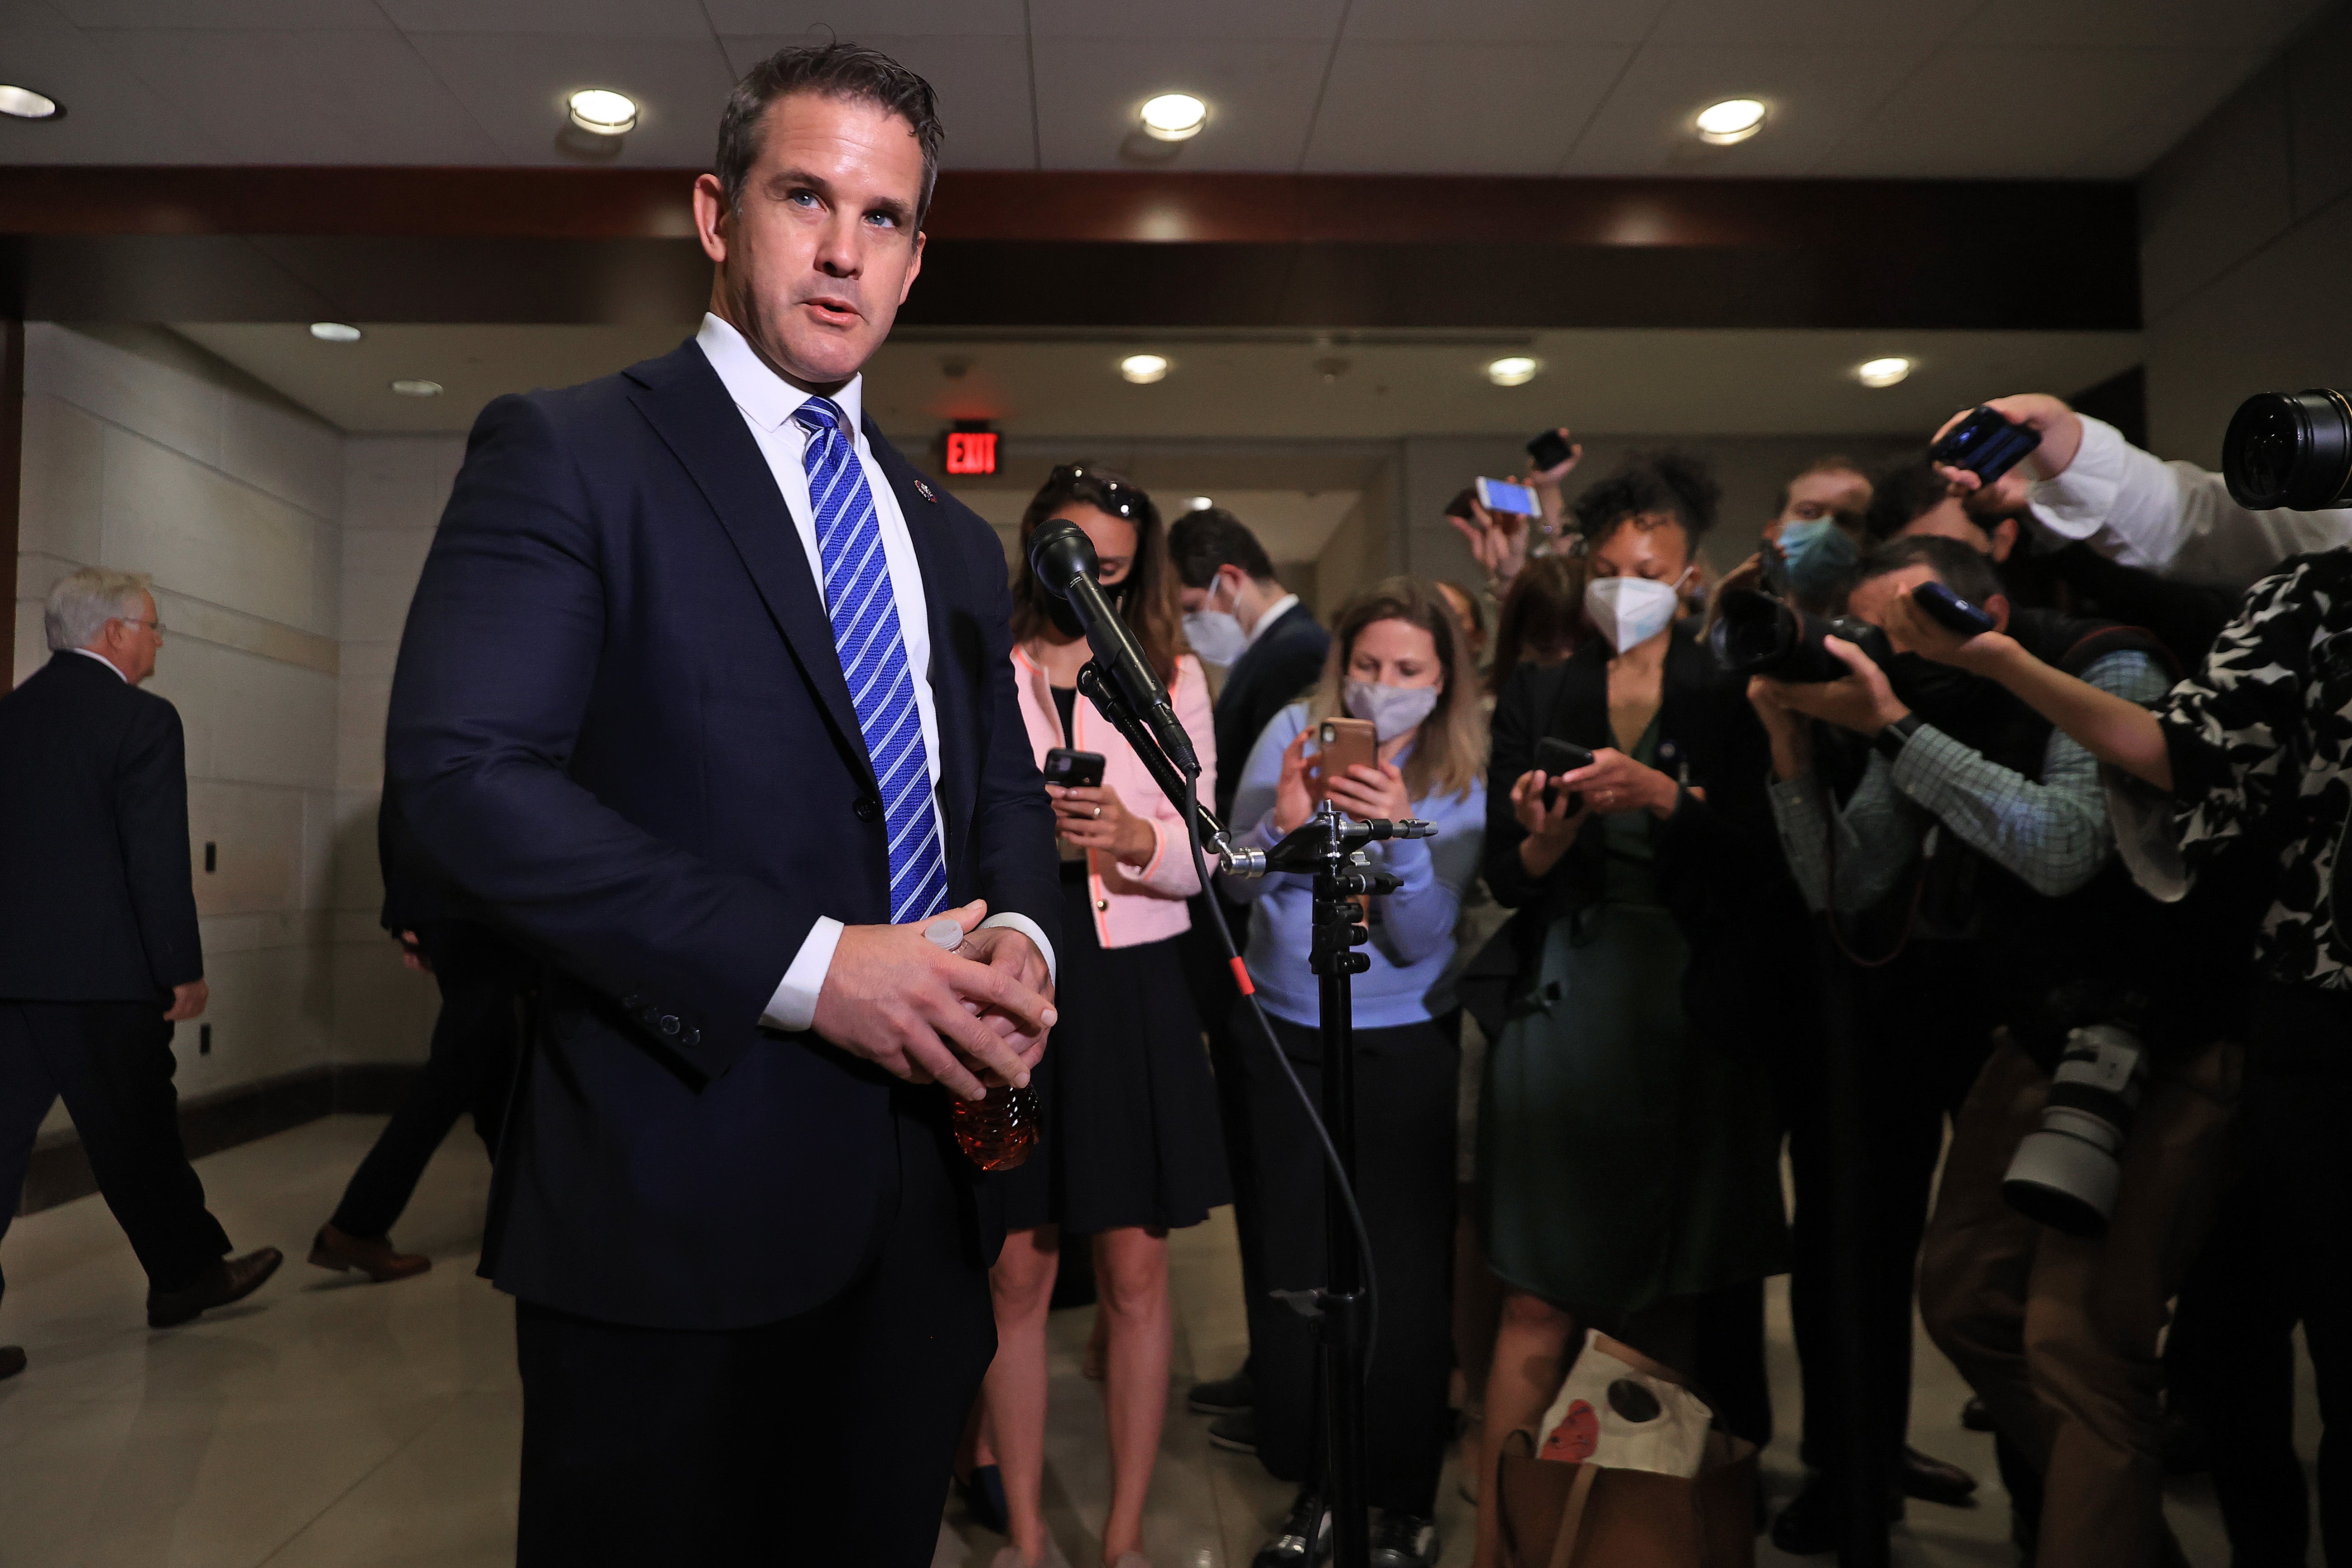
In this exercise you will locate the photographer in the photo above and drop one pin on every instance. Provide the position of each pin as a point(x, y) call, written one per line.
point(2256, 739)
point(1503, 543)
point(1968, 789)
point(2085, 484)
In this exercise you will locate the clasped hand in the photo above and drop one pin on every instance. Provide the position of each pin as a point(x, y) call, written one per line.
point(927, 1015)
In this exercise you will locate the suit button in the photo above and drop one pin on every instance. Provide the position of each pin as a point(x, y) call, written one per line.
point(669, 1024)
point(692, 1037)
point(867, 808)
point(1102, 903)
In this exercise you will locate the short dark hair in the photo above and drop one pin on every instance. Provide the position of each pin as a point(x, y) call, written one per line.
point(1902, 495)
point(849, 72)
point(1966, 572)
point(1836, 463)
point(1671, 482)
point(1203, 540)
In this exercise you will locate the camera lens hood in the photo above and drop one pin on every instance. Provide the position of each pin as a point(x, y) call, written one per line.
point(2290, 449)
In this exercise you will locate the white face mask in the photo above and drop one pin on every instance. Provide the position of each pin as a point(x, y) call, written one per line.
point(1629, 611)
point(1391, 711)
point(1215, 635)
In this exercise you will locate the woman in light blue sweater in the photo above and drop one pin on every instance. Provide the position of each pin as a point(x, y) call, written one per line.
point(1399, 660)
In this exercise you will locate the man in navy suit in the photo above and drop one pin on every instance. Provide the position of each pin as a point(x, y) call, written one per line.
point(706, 698)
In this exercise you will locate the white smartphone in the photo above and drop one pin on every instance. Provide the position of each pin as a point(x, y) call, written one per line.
point(1500, 495)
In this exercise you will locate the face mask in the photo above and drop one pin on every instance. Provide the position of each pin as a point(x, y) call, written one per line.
point(1391, 711)
point(1816, 556)
point(1629, 611)
point(1215, 635)
point(1066, 619)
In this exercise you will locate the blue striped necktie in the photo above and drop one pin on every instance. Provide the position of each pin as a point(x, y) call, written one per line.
point(864, 615)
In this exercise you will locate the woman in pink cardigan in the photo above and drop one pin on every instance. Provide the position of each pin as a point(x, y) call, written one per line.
point(1132, 1148)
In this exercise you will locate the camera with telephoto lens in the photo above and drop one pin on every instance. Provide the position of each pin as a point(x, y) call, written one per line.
point(1756, 633)
point(2065, 1173)
point(2290, 449)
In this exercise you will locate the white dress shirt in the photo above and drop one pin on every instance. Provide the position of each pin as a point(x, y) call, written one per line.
point(104, 660)
point(766, 402)
point(1265, 623)
point(2175, 520)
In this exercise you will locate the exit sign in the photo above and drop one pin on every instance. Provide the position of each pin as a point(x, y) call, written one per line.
point(971, 451)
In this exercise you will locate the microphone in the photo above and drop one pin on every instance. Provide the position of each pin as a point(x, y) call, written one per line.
point(1063, 557)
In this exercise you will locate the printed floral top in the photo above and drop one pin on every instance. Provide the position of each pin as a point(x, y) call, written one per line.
point(2264, 728)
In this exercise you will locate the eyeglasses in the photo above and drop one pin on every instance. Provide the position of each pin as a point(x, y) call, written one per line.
point(1120, 499)
point(156, 625)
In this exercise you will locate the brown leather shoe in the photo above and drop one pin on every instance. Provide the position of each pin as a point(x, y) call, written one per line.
point(230, 1280)
point(11, 1361)
point(370, 1255)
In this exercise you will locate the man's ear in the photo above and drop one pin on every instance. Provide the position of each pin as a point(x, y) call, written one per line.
point(1998, 608)
point(2004, 539)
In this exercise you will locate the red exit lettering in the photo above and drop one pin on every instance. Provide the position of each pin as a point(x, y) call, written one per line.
point(971, 451)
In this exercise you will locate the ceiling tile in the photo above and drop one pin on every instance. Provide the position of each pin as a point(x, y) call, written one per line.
point(1207, 21)
point(982, 85)
point(515, 88)
point(1260, 97)
point(314, 14)
point(1840, 24)
point(854, 19)
point(2168, 119)
point(1644, 128)
point(1531, 100)
point(2123, 24)
point(1981, 112)
point(1504, 21)
point(112, 116)
point(591, 18)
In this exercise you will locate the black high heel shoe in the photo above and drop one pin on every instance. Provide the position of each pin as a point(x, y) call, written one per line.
point(983, 1498)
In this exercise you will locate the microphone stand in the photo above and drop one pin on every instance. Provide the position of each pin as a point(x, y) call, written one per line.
point(1345, 1310)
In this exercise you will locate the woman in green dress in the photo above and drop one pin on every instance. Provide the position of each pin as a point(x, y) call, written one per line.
point(1628, 1144)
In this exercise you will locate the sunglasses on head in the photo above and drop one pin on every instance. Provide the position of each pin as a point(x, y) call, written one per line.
point(1119, 499)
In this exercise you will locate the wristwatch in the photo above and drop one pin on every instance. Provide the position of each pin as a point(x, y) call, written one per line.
point(1891, 741)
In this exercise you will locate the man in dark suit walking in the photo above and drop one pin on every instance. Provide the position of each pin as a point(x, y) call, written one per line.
point(1237, 614)
point(706, 696)
point(98, 952)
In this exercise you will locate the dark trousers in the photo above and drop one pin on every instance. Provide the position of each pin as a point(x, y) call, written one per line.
point(471, 1068)
point(1927, 1044)
point(1406, 1082)
point(2281, 1253)
point(1211, 978)
point(825, 1438)
point(113, 1063)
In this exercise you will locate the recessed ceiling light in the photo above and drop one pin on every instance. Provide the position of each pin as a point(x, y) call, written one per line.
point(25, 104)
point(1882, 372)
point(1733, 119)
point(1174, 116)
point(336, 333)
point(1200, 503)
point(417, 388)
point(1143, 369)
point(1513, 370)
point(603, 112)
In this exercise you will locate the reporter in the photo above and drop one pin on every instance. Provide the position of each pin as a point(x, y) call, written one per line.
point(2256, 739)
point(1398, 660)
point(1131, 1148)
point(1628, 1158)
point(1817, 532)
point(2086, 484)
point(1542, 619)
point(1502, 542)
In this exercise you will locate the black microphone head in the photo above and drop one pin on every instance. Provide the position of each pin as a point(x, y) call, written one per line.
point(1060, 552)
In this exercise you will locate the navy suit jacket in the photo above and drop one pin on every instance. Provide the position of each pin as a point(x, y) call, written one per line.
point(1271, 673)
point(97, 898)
point(619, 725)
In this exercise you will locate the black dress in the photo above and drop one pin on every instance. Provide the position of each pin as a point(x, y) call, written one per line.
point(1132, 1136)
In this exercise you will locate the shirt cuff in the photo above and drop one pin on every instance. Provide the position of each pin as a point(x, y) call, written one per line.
point(1028, 928)
point(793, 1007)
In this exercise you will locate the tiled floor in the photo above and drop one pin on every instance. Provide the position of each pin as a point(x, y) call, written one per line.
point(327, 1422)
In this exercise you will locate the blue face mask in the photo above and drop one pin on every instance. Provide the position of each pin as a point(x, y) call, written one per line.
point(1816, 556)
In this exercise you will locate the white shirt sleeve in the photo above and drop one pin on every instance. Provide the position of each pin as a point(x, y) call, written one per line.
point(793, 1007)
point(2175, 520)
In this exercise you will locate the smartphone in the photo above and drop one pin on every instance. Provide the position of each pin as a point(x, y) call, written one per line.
point(1460, 505)
point(1555, 756)
point(1073, 770)
point(1549, 449)
point(1341, 744)
point(1500, 495)
point(1952, 612)
point(1985, 444)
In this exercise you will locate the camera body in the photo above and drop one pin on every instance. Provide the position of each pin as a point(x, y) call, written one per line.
point(1756, 633)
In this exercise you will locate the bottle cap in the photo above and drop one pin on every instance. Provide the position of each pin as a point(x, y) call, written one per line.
point(946, 932)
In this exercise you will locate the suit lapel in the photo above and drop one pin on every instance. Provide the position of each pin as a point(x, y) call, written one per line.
point(689, 408)
point(943, 576)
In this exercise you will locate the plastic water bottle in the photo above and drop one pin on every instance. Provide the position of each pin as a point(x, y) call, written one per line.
point(1002, 1130)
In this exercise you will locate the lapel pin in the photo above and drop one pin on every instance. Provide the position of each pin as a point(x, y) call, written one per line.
point(924, 490)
